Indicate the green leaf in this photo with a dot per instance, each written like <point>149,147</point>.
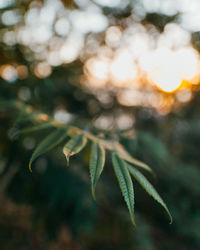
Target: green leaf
<point>96,164</point>
<point>8,104</point>
<point>125,183</point>
<point>123,154</point>
<point>74,146</point>
<point>40,126</point>
<point>148,188</point>
<point>20,117</point>
<point>51,141</point>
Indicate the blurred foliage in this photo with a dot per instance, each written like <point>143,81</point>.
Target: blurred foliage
<point>159,20</point>
<point>52,208</point>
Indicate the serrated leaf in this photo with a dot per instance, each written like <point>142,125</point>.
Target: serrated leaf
<point>125,183</point>
<point>96,164</point>
<point>147,186</point>
<point>74,146</point>
<point>51,141</point>
<point>122,153</point>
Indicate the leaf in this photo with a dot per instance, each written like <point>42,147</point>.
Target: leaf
<point>125,183</point>
<point>147,186</point>
<point>123,154</point>
<point>8,104</point>
<point>74,146</point>
<point>21,116</point>
<point>96,164</point>
<point>40,126</point>
<point>51,141</point>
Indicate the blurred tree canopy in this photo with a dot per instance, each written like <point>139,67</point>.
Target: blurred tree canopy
<point>52,60</point>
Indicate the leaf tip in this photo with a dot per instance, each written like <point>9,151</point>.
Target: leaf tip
<point>93,194</point>
<point>30,169</point>
<point>169,214</point>
<point>67,157</point>
<point>171,220</point>
<point>133,221</point>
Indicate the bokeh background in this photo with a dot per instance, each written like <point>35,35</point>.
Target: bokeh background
<point>131,70</point>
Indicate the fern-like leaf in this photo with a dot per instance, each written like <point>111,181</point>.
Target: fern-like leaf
<point>74,146</point>
<point>96,164</point>
<point>51,141</point>
<point>147,186</point>
<point>125,183</point>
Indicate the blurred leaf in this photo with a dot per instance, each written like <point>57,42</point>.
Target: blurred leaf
<point>22,115</point>
<point>37,127</point>
<point>51,141</point>
<point>97,161</point>
<point>159,20</point>
<point>125,183</point>
<point>153,147</point>
<point>148,187</point>
<point>74,146</point>
<point>127,157</point>
<point>7,104</point>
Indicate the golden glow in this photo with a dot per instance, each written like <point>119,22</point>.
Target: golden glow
<point>168,82</point>
<point>184,95</point>
<point>123,69</point>
<point>163,67</point>
<point>22,71</point>
<point>98,68</point>
<point>42,70</point>
<point>8,72</point>
<point>167,68</point>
